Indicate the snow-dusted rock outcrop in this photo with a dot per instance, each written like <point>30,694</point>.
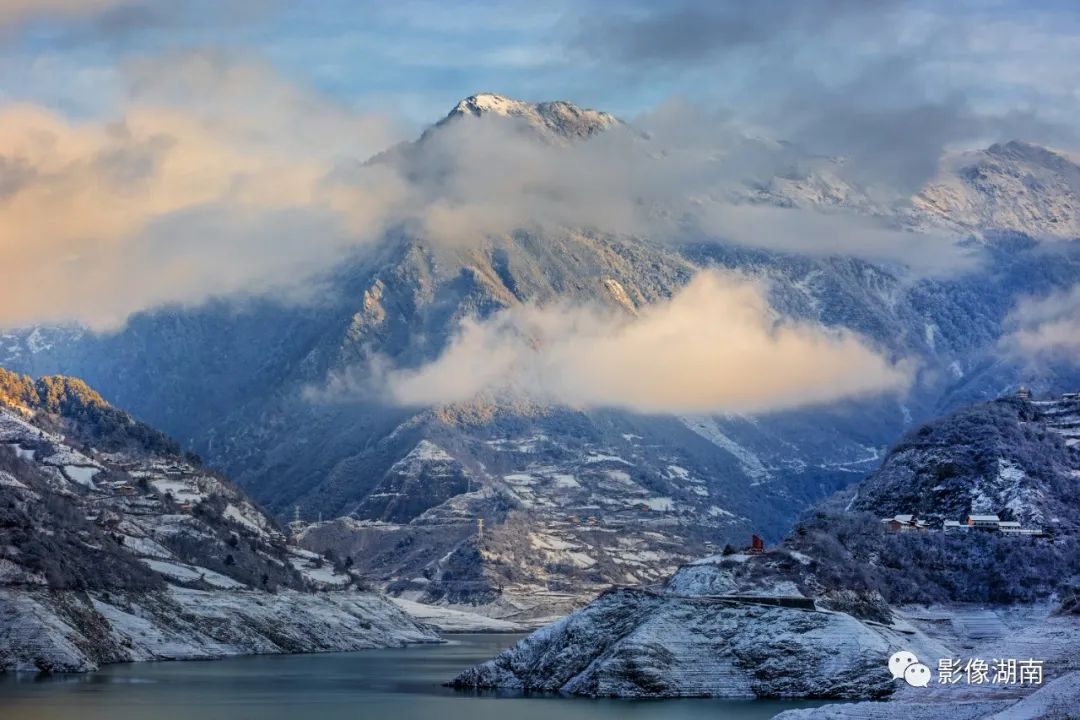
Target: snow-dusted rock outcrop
<point>633,643</point>
<point>65,631</point>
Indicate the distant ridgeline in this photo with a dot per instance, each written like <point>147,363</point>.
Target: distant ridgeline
<point>68,405</point>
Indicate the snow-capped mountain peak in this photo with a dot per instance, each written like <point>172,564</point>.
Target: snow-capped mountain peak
<point>1012,186</point>
<point>558,118</point>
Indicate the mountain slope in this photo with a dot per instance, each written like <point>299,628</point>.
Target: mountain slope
<point>115,547</point>
<point>1012,457</point>
<point>1013,186</point>
<point>820,614</point>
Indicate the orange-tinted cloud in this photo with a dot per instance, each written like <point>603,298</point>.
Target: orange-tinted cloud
<point>170,204</point>
<point>715,346</point>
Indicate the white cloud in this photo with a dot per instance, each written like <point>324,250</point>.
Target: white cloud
<point>1046,328</point>
<point>219,178</point>
<point>817,233</point>
<point>715,346</point>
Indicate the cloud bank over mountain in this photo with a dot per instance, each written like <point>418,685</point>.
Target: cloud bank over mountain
<point>183,156</point>
<point>1046,328</point>
<point>715,346</point>
<point>220,178</point>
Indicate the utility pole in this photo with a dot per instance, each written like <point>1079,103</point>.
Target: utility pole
<point>480,529</point>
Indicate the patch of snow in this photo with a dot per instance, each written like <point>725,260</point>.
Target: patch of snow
<point>324,576</point>
<point>451,621</point>
<point>707,428</point>
<point>580,559</point>
<point>661,504</point>
<point>234,513</point>
<point>595,457</point>
<point>81,474</point>
<point>9,480</point>
<point>192,573</point>
<point>563,480</point>
<point>520,479</point>
<point>428,451</point>
<point>679,472</point>
<point>146,547</point>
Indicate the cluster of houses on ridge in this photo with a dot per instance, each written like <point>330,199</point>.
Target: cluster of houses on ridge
<point>979,523</point>
<point>1024,393</point>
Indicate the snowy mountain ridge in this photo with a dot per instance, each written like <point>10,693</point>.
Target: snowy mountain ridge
<point>1008,187</point>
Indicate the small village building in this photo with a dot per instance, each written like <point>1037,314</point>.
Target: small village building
<point>757,545</point>
<point>1011,527</point>
<point>988,523</point>
<point>1023,393</point>
<point>904,523</point>
<point>954,526</point>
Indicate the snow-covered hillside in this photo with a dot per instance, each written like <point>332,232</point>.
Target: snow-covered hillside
<point>1013,186</point>
<point>1012,457</point>
<point>114,548</point>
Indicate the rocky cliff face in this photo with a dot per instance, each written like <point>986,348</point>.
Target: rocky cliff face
<point>114,547</point>
<point>69,631</point>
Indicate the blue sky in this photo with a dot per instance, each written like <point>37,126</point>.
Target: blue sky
<point>415,59</point>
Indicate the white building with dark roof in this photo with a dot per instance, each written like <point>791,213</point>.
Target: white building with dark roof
<point>984,522</point>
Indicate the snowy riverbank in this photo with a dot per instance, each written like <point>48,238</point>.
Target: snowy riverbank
<point>43,630</point>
